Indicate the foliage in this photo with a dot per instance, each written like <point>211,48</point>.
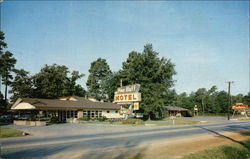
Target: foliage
<point>155,76</point>
<point>233,151</point>
<point>246,99</point>
<point>22,85</point>
<point>103,118</point>
<point>54,119</point>
<point>7,64</point>
<point>2,101</point>
<point>127,121</point>
<point>115,120</point>
<point>84,118</point>
<point>212,100</point>
<point>110,84</point>
<point>2,43</point>
<point>53,82</point>
<point>133,121</point>
<point>184,101</point>
<point>99,71</point>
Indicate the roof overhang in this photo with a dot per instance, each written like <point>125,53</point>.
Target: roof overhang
<point>23,106</point>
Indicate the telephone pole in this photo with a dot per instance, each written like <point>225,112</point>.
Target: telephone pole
<point>229,99</point>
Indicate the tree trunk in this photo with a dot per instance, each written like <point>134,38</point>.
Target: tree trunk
<point>5,95</point>
<point>0,83</point>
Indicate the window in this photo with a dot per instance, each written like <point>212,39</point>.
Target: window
<point>76,114</point>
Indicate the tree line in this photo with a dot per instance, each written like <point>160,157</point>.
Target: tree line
<point>210,101</point>
<point>51,82</point>
<point>154,74</point>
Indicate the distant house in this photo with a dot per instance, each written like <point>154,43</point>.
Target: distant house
<point>173,111</point>
<point>66,107</point>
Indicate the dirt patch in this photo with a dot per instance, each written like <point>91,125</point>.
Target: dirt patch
<point>179,148</point>
<point>172,149</point>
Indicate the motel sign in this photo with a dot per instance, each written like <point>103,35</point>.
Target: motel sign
<point>128,97</point>
<point>127,94</point>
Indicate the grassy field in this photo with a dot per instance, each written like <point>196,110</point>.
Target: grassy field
<point>7,132</point>
<point>168,122</point>
<point>239,150</point>
<point>162,122</point>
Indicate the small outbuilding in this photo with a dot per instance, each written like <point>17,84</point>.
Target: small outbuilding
<point>174,111</point>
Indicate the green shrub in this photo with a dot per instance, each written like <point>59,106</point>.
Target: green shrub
<point>133,121</point>
<point>84,118</point>
<point>42,119</point>
<point>103,118</point>
<point>54,119</point>
<point>127,121</point>
<point>115,120</point>
<point>139,122</point>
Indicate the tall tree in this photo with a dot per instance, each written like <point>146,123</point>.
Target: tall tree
<point>110,84</point>
<point>183,100</point>
<point>2,103</point>
<point>246,99</point>
<point>98,72</point>
<point>212,105</point>
<point>170,98</point>
<point>79,91</point>
<point>155,76</point>
<point>70,86</point>
<point>201,98</point>
<point>2,46</point>
<point>222,100</point>
<point>2,43</point>
<point>22,85</point>
<point>7,66</point>
<point>53,82</point>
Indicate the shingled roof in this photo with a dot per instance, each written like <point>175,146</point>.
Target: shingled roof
<point>81,103</point>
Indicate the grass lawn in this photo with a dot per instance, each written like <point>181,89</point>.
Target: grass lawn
<point>7,132</point>
<point>163,122</point>
<point>234,151</point>
<point>167,121</point>
<point>244,119</point>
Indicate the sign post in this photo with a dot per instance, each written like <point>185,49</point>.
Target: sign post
<point>128,95</point>
<point>173,118</point>
<point>195,110</point>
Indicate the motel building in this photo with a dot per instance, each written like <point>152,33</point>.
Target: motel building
<point>66,109</point>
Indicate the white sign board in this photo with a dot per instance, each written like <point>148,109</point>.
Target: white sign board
<point>127,97</point>
<point>129,88</point>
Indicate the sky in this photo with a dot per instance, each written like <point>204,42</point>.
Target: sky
<point>207,41</point>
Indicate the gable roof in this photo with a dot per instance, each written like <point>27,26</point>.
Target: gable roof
<point>81,103</point>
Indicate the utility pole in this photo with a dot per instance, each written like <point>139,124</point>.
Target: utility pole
<point>121,83</point>
<point>229,99</point>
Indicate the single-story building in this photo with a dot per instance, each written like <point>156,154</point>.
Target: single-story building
<point>173,111</point>
<point>66,108</point>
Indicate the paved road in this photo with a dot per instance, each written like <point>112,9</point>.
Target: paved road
<point>94,138</point>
